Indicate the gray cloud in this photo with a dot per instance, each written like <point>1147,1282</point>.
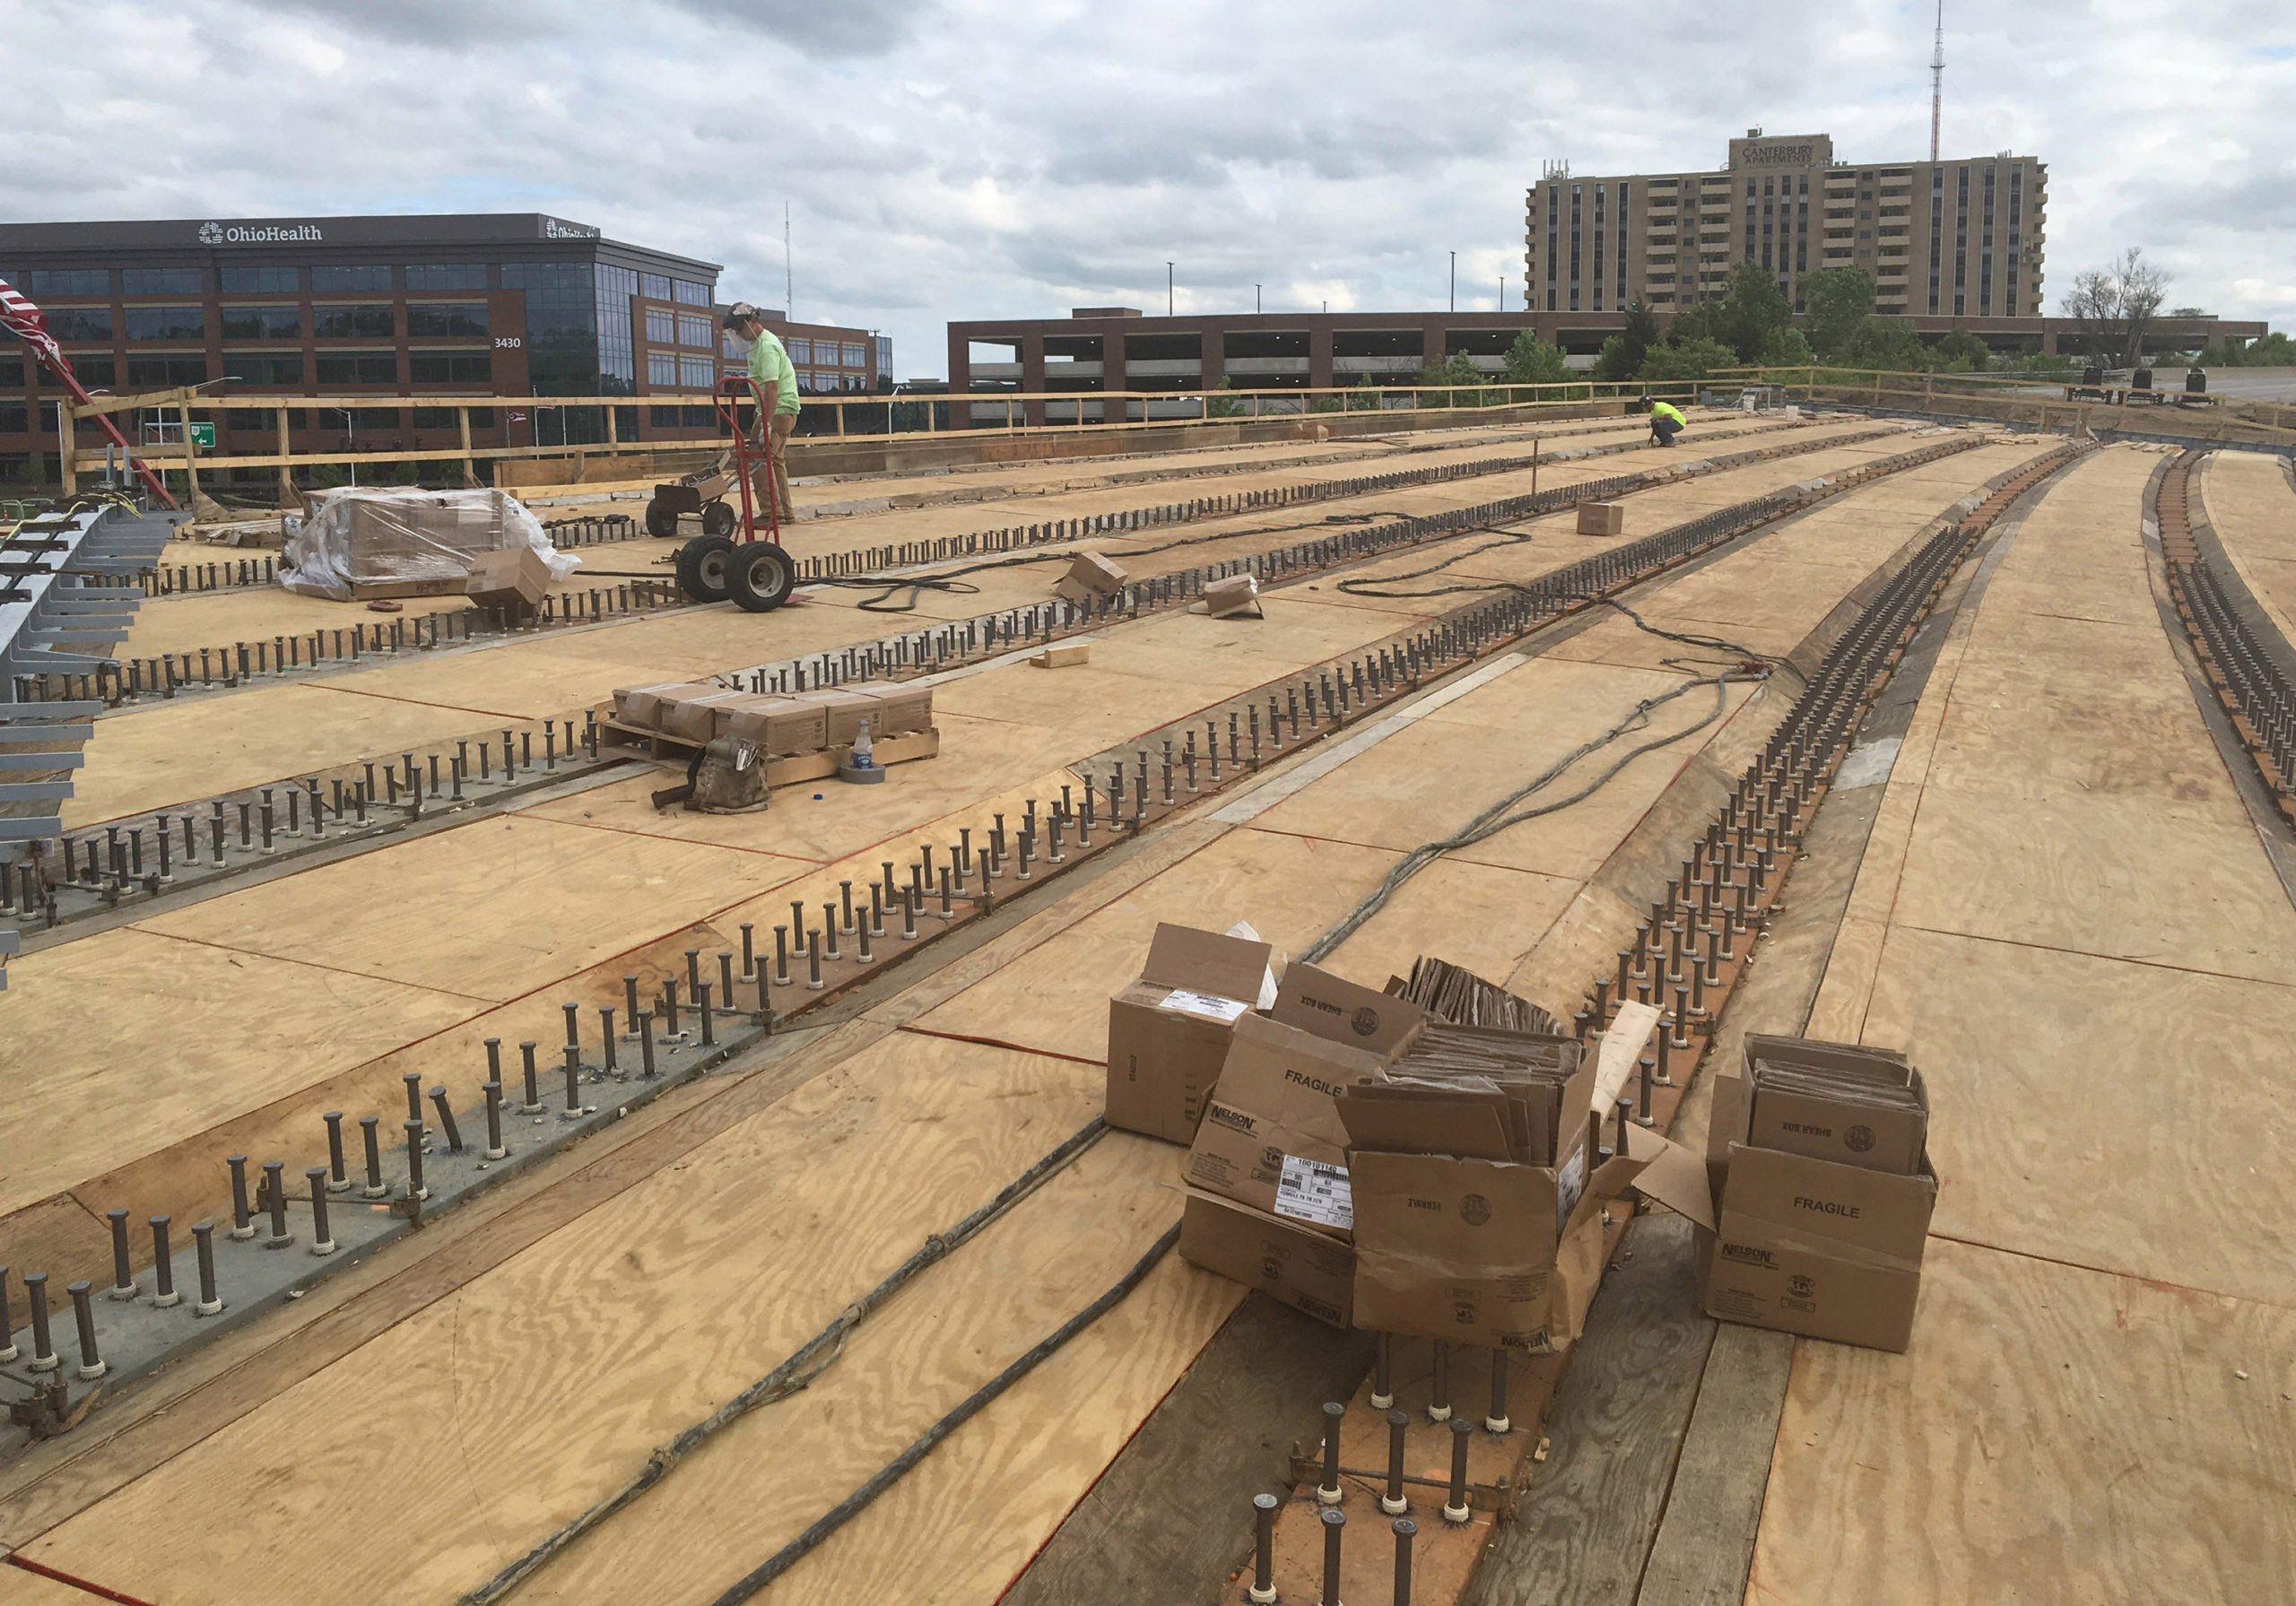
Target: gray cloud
<point>974,159</point>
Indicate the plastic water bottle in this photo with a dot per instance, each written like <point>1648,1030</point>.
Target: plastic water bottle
<point>862,751</point>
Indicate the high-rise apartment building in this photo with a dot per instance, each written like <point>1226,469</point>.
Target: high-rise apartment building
<point>1942,239</point>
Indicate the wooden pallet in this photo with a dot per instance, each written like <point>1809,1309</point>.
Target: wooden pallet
<point>785,771</point>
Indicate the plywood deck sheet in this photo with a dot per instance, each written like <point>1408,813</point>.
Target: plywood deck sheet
<point>2252,507</point>
<point>167,752</point>
<point>130,1039</point>
<point>959,1527</point>
<point>263,733</point>
<point>2054,1434</point>
<point>711,1279</point>
<point>460,911</point>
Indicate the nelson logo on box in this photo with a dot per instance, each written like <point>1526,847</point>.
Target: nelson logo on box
<point>1859,1139</point>
<point>1747,1254</point>
<point>1365,1021</point>
<point>1474,1210</point>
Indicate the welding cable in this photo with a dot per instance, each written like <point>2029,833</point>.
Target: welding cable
<point>1497,818</point>
<point>852,1505</point>
<point>807,1362</point>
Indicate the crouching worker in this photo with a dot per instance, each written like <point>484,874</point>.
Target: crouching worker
<point>1665,422</point>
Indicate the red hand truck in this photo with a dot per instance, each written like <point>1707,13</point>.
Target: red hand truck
<point>753,570</point>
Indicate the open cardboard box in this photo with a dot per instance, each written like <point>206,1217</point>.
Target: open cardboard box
<point>1271,1136</point>
<point>1801,1244</point>
<point>1169,1031</point>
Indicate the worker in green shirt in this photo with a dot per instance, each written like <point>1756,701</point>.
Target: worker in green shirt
<point>777,384</point>
<point>1666,421</point>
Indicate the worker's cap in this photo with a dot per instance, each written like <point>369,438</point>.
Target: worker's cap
<point>741,312</point>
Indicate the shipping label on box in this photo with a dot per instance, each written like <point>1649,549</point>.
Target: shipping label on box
<point>1306,1269</point>
<point>1169,1032</point>
<point>1271,1135</point>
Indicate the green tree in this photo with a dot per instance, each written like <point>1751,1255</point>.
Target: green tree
<point>1838,301</point>
<point>1220,406</point>
<point>1622,354</point>
<point>1889,344</point>
<point>1752,310</point>
<point>1530,360</point>
<point>1786,348</point>
<point>1962,350</point>
<point>1674,361</point>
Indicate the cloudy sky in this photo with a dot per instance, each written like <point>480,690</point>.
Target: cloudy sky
<point>955,159</point>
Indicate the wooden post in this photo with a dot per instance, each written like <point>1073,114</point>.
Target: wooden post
<point>462,419</point>
<point>190,466</point>
<point>64,457</point>
<point>613,427</point>
<point>287,497</point>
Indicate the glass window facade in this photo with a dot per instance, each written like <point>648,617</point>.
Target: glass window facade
<point>689,292</point>
<point>695,332</point>
<point>462,367</point>
<point>661,326</point>
<point>167,323</point>
<point>661,368</point>
<point>263,323</point>
<point>433,319</point>
<point>357,367</point>
<point>160,281</point>
<point>654,287</point>
<point>324,279</point>
<point>800,350</point>
<point>259,281</point>
<point>70,281</point>
<point>162,373</point>
<point>265,368</point>
<point>447,418</point>
<point>617,349</point>
<point>562,324</point>
<point>357,320</point>
<point>699,373</point>
<point>80,323</point>
<point>857,356</point>
<point>447,275</point>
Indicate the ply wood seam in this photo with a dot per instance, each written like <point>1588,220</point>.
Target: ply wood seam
<point>309,964</point>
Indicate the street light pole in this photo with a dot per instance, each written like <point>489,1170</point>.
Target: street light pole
<point>1455,282</point>
<point>1169,304</point>
<point>1255,299</point>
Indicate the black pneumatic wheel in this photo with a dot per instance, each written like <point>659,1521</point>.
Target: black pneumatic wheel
<point>761,576</point>
<point>660,521</point>
<point>718,519</point>
<point>702,568</point>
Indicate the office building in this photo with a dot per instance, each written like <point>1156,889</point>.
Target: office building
<point>506,305</point>
<point>1957,240</point>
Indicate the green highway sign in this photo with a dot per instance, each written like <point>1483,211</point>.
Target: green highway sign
<point>202,435</point>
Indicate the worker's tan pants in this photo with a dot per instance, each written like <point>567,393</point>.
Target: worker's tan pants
<point>776,481</point>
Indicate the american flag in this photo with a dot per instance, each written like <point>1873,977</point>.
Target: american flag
<point>29,323</point>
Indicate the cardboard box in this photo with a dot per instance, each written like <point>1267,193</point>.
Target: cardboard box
<point>1812,1247</point>
<point>1305,1268</point>
<point>1169,1031</point>
<point>777,726</point>
<point>694,718</point>
<point>1088,576</point>
<point>903,710</point>
<point>1271,1136</point>
<point>641,705</point>
<point>1335,1008</point>
<point>1828,1119</point>
<point>1602,518</point>
<point>513,578</point>
<point>1235,596</point>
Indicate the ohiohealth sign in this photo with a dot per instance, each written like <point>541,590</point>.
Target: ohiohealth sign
<point>257,234</point>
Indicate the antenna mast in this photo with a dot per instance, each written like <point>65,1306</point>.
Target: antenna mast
<point>1936,80</point>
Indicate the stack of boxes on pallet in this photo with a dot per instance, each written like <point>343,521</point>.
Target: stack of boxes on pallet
<point>810,732</point>
<point>1425,1161</point>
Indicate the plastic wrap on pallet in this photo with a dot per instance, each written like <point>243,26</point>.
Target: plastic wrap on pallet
<point>365,543</point>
